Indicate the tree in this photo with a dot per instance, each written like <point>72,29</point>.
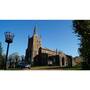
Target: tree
<point>0,48</point>
<point>14,59</point>
<point>82,29</point>
<point>22,58</point>
<point>1,57</point>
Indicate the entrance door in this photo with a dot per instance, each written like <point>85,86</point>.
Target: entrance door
<point>63,62</point>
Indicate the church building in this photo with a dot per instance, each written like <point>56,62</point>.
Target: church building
<point>36,55</point>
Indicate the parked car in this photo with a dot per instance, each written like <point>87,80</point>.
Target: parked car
<point>28,66</point>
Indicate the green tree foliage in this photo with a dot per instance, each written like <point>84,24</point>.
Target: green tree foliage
<point>82,29</point>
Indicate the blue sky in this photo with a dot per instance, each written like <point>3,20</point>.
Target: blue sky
<point>56,34</point>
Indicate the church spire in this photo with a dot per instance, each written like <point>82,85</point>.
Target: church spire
<point>34,32</point>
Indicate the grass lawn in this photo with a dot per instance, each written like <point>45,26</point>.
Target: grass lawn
<point>55,68</point>
<point>49,68</point>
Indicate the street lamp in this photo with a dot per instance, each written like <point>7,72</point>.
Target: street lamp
<point>8,39</point>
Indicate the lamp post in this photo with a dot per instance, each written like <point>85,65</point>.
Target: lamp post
<point>8,39</point>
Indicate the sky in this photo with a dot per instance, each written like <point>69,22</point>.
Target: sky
<point>56,34</point>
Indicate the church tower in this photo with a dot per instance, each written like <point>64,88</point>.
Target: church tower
<point>34,43</point>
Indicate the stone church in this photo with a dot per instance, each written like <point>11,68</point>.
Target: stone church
<point>36,55</point>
